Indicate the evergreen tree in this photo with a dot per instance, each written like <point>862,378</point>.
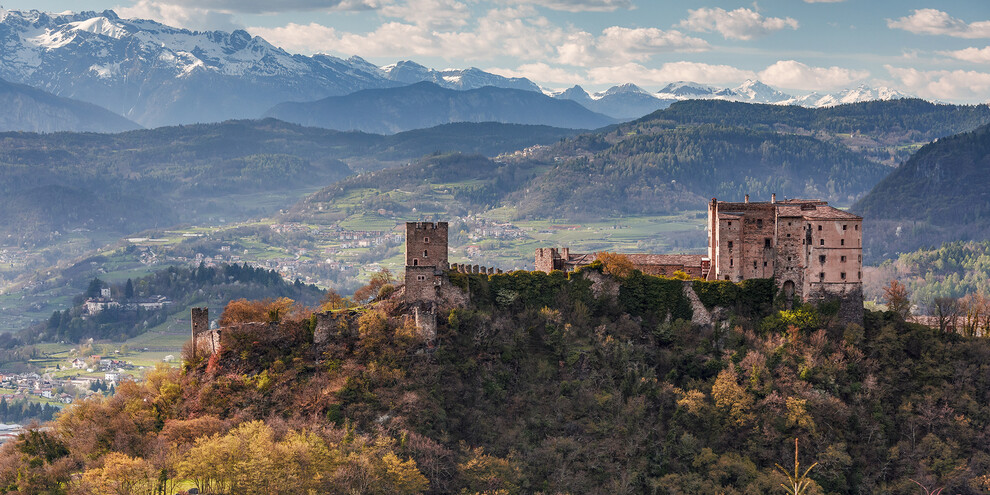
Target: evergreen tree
<point>129,289</point>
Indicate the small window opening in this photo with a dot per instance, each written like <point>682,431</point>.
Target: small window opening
<point>821,242</point>
<point>730,261</point>
<point>821,259</point>
<point>842,259</point>
<point>842,275</point>
<point>730,245</point>
<point>844,227</point>
<point>764,264</point>
<point>415,262</point>
<point>421,277</point>
<point>856,227</point>
<point>821,276</point>
<point>426,240</point>
<point>754,264</point>
<point>426,254</point>
<point>759,223</point>
<point>842,242</point>
<point>730,224</point>
<point>766,242</point>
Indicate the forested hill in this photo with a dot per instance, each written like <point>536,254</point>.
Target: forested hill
<point>883,131</point>
<point>588,383</point>
<point>937,196</point>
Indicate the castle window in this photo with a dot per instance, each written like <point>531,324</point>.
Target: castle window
<point>856,227</point>
<point>788,235</point>
<point>415,262</point>
<point>821,259</point>
<point>788,258</point>
<point>421,277</point>
<point>859,275</point>
<point>727,277</point>
<point>842,242</point>
<point>861,258</point>
<point>426,240</point>
<point>821,242</point>
<point>842,275</point>
<point>843,227</point>
<point>730,245</point>
<point>819,227</point>
<point>754,264</point>
<point>821,276</point>
<point>766,242</point>
<point>842,259</point>
<point>730,224</point>
<point>788,224</point>
<point>425,254</point>
<point>759,223</point>
<point>730,261</point>
<point>764,264</point>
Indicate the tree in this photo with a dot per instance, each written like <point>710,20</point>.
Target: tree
<point>374,288</point>
<point>946,311</point>
<point>129,289</point>
<point>95,286</point>
<point>614,263</point>
<point>896,295</point>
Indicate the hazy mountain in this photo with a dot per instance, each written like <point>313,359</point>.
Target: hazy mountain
<point>408,72</point>
<point>938,195</point>
<point>624,102</point>
<point>29,109</point>
<point>426,104</point>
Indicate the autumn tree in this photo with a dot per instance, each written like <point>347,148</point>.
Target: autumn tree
<point>614,263</point>
<point>374,289</point>
<point>896,295</point>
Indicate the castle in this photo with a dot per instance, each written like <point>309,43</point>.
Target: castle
<point>813,251</point>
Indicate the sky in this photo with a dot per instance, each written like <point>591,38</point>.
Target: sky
<point>933,49</point>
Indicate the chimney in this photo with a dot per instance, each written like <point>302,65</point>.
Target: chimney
<point>747,198</point>
<point>773,198</point>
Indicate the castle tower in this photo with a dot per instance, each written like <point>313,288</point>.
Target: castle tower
<point>426,259</point>
<point>200,324</point>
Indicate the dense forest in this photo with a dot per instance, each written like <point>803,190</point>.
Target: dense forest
<point>183,286</point>
<point>593,382</point>
<point>932,198</point>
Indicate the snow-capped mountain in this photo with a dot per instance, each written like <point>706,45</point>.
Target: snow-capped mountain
<point>623,102</point>
<point>409,72</point>
<point>753,91</point>
<point>157,75</point>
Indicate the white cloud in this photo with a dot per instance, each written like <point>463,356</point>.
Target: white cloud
<point>796,75</point>
<point>932,21</point>
<point>669,72</point>
<point>439,14</point>
<point>541,72</point>
<point>194,18</point>
<point>741,24</point>
<point>580,5</point>
<point>511,32</point>
<point>971,54</point>
<point>944,84</point>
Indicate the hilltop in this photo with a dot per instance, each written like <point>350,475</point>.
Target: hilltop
<point>585,383</point>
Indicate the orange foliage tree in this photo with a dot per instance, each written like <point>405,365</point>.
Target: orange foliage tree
<point>265,310</point>
<point>614,263</point>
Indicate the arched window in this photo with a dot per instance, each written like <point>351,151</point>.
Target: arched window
<point>425,254</point>
<point>415,262</point>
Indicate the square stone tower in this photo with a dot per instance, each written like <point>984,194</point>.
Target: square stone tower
<point>426,259</point>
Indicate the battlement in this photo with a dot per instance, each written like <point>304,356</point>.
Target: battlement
<point>463,268</point>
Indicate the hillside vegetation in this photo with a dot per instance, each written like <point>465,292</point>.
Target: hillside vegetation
<point>546,384</point>
<point>933,198</point>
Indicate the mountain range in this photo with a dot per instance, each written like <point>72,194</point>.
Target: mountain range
<point>425,104</point>
<point>158,75</point>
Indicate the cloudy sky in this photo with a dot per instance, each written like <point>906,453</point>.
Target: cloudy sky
<point>938,50</point>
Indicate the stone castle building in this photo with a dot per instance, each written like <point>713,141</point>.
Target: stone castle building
<point>813,250</point>
<point>426,259</point>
